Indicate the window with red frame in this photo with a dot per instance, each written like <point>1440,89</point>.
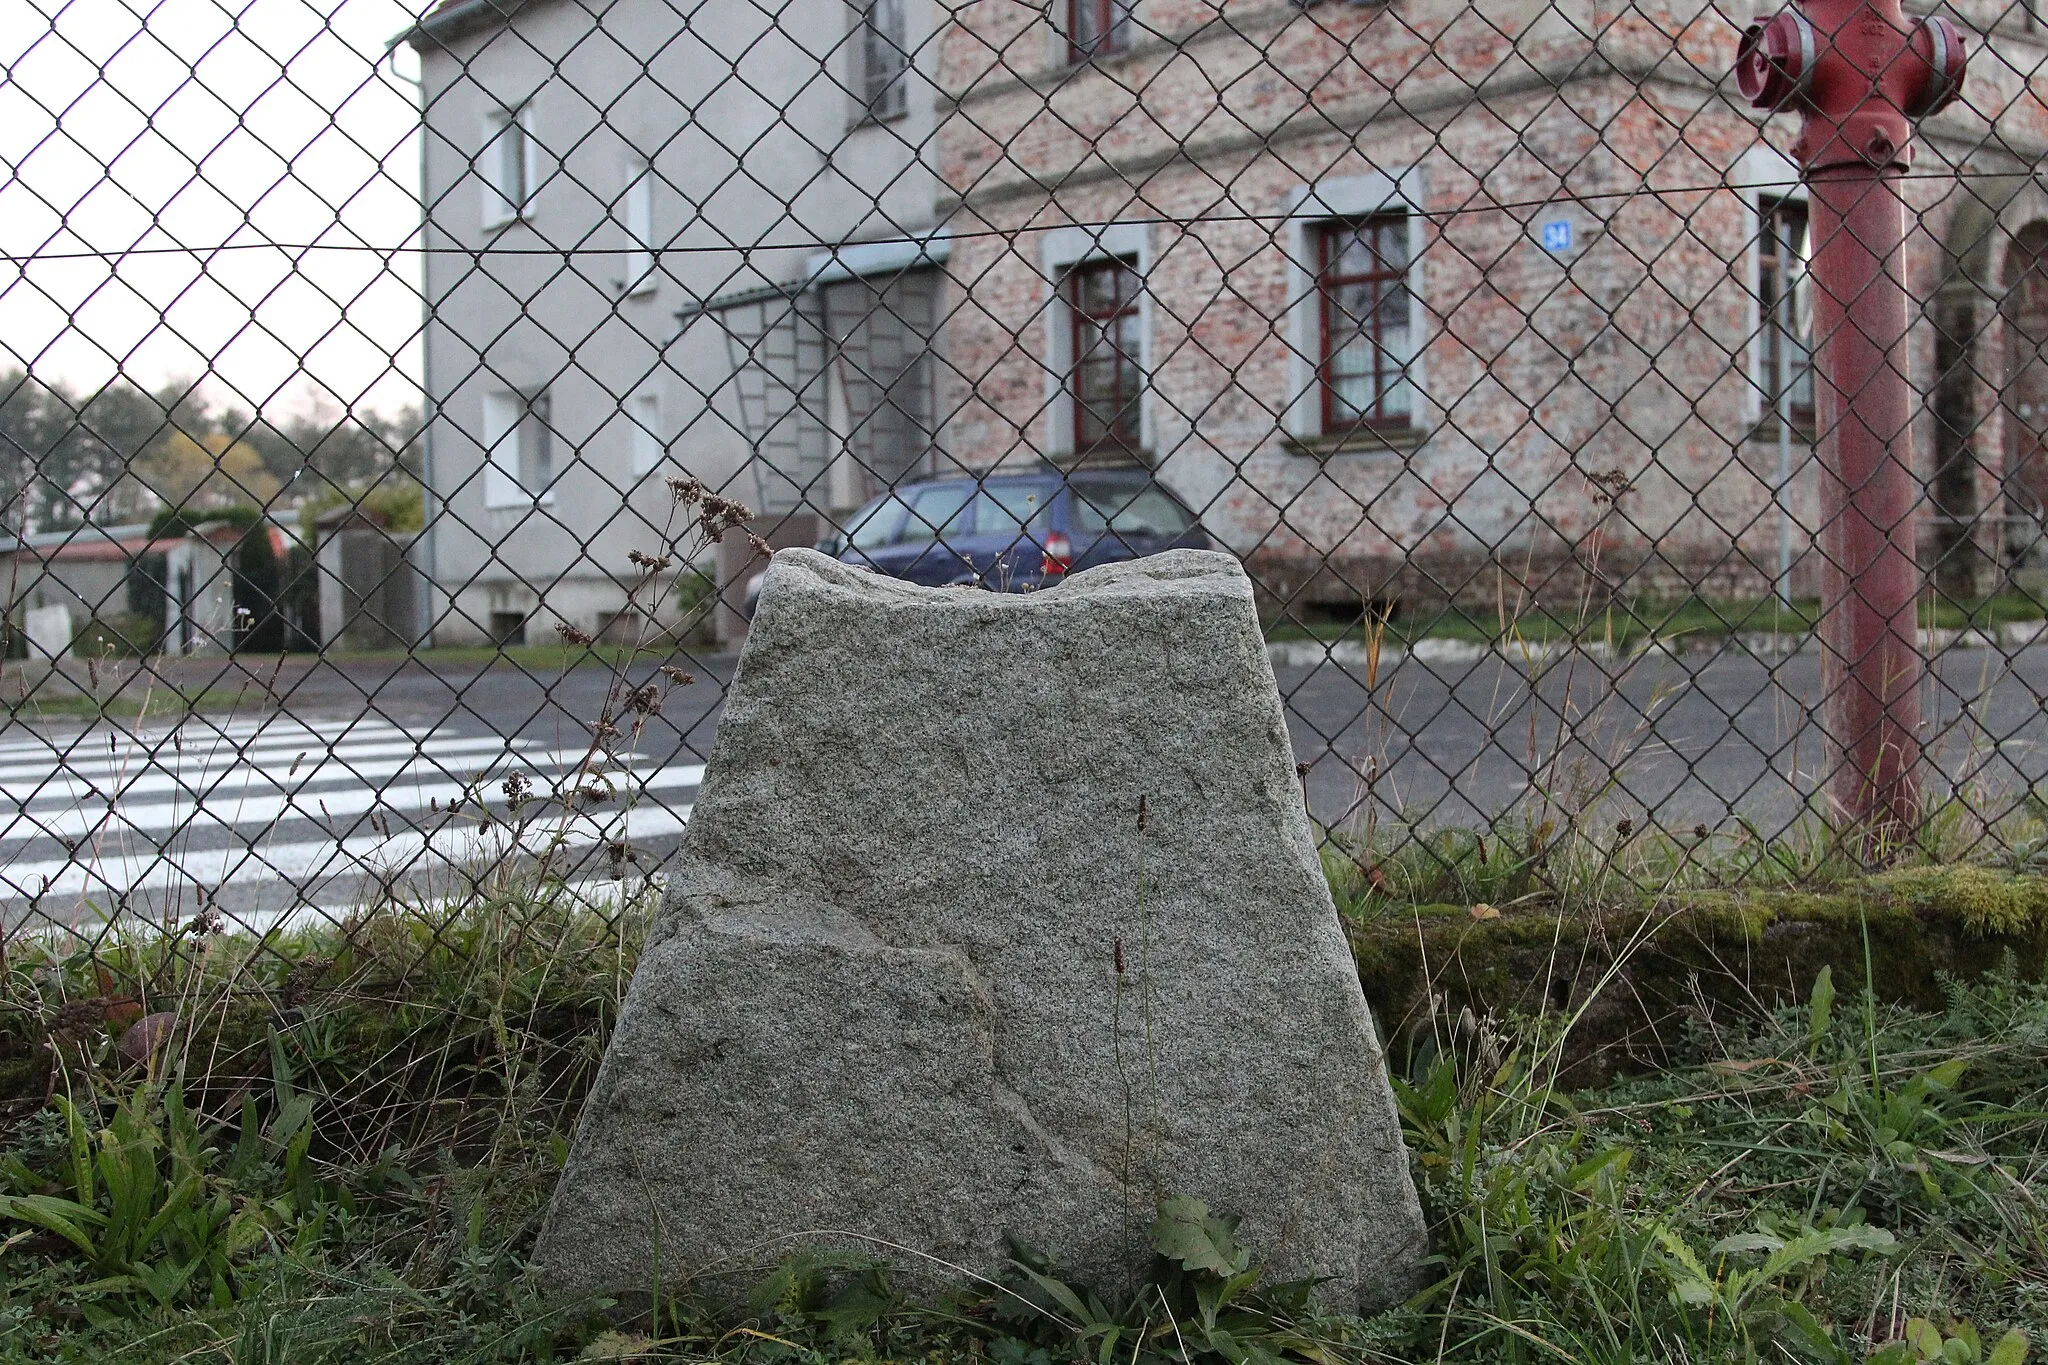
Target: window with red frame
<point>1367,340</point>
<point>1097,27</point>
<point>1107,380</point>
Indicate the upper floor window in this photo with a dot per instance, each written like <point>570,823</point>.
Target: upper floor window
<point>519,461</point>
<point>884,59</point>
<point>509,165</point>
<point>1785,371</point>
<point>1107,379</point>
<point>1096,28</point>
<point>1367,330</point>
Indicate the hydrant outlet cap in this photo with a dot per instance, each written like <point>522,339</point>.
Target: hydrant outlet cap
<point>1775,62</point>
<point>1941,43</point>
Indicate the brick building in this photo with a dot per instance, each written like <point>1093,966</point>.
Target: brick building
<point>1413,301</point>
<point>1425,300</point>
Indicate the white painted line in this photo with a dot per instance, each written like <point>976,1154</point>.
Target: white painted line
<point>200,765</point>
<point>304,864</point>
<point>225,811</point>
<point>196,730</point>
<point>97,747</point>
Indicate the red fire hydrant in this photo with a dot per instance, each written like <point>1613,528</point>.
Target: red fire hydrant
<point>1858,73</point>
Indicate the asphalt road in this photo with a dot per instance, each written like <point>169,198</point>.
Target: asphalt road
<point>344,791</point>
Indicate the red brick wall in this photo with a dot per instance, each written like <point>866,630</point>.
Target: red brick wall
<point>1624,359</point>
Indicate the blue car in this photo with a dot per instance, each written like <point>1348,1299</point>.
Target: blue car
<point>1011,532</point>
<point>1015,532</point>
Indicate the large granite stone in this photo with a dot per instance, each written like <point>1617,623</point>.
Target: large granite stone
<point>922,978</point>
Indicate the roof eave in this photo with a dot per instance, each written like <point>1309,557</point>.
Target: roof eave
<point>447,22</point>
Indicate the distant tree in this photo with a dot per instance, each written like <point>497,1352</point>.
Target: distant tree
<point>337,448</point>
<point>203,472</point>
<point>62,455</point>
<point>121,453</point>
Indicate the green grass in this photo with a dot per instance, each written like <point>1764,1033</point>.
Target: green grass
<point>158,702</point>
<point>1631,625</point>
<point>1990,612</point>
<point>344,1151</point>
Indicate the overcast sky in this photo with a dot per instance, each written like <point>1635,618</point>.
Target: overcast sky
<point>194,125</point>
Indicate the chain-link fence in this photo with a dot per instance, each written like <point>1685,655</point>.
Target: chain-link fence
<point>400,406</point>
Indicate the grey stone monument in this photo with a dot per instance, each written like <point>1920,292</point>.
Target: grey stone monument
<point>997,915</point>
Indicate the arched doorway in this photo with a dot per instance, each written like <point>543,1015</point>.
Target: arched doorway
<point>2023,394</point>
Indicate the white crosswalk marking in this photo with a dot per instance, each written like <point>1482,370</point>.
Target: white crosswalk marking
<point>110,814</point>
<point>305,864</point>
<point>197,774</point>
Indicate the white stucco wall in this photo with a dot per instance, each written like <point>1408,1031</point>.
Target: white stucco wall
<point>736,110</point>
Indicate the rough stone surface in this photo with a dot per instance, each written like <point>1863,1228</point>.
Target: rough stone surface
<point>883,997</point>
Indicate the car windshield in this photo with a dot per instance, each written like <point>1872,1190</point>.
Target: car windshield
<point>935,512</point>
<point>875,525</point>
<point>1125,509</point>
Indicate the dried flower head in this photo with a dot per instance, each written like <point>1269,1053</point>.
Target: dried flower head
<point>686,491</point>
<point>676,676</point>
<point>516,788</point>
<point>645,700</point>
<point>721,514</point>
<point>571,635</point>
<point>651,563</point>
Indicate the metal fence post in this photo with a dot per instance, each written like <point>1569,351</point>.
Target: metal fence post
<point>1857,72</point>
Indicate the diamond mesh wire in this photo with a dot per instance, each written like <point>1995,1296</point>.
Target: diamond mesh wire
<point>397,408</point>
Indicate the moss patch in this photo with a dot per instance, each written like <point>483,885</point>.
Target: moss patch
<point>1986,902</point>
<point>1637,979</point>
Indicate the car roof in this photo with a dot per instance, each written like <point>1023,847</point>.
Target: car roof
<point>1047,476</point>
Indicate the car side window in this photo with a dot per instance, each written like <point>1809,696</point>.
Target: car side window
<point>935,513</point>
<point>1127,511</point>
<point>876,525</point>
<point>1007,509</point>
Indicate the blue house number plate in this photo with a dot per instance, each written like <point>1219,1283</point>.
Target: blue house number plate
<point>1557,236</point>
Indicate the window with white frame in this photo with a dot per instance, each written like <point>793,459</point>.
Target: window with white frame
<point>1356,322</point>
<point>644,411</point>
<point>518,449</point>
<point>639,212</point>
<point>884,59</point>
<point>1784,349</point>
<point>509,165</point>
<point>1773,261</point>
